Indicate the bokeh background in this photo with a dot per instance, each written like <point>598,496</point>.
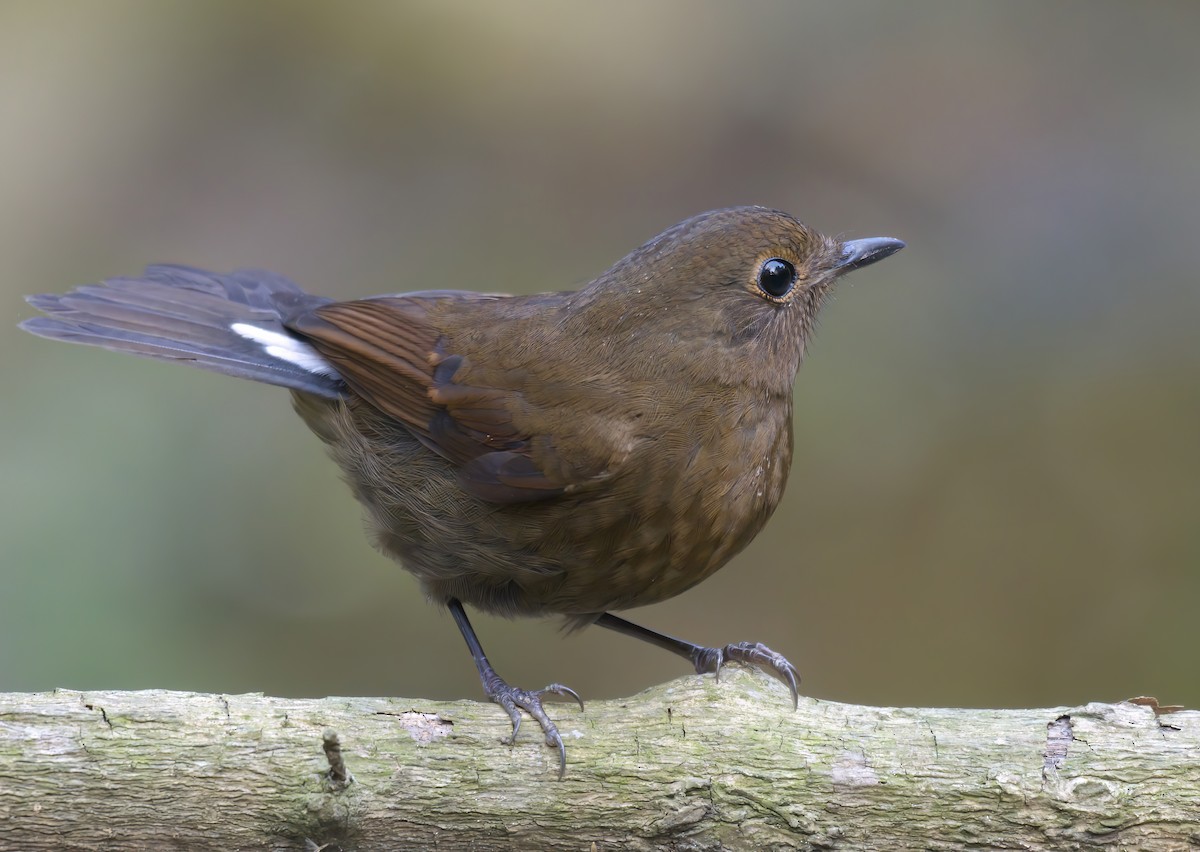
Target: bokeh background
<point>996,494</point>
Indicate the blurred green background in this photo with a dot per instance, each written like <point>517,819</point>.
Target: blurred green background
<point>996,490</point>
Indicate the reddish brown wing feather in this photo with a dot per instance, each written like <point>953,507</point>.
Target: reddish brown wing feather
<point>380,351</point>
<point>388,352</point>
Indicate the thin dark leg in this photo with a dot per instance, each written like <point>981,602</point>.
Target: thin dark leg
<point>513,700</point>
<point>711,659</point>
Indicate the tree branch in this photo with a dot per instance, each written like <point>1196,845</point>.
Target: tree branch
<point>692,764</point>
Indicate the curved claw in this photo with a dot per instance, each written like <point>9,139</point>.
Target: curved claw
<point>750,654</point>
<point>564,691</point>
<point>511,698</point>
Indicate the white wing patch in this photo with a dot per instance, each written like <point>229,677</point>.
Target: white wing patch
<point>286,348</point>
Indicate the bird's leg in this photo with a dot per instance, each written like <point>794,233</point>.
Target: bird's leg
<point>512,699</point>
<point>712,659</point>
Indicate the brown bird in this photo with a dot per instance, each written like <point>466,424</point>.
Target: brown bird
<point>567,453</point>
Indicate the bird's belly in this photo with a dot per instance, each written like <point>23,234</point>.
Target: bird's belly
<point>643,537</point>
<point>649,540</point>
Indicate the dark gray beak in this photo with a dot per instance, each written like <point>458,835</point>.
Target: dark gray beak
<point>859,253</point>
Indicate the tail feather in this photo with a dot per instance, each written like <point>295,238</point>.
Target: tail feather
<point>177,313</point>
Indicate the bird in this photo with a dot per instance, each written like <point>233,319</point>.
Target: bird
<point>572,453</point>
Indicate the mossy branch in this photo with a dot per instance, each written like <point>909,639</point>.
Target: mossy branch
<point>692,764</point>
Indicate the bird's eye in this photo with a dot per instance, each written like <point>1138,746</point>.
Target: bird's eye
<point>776,278</point>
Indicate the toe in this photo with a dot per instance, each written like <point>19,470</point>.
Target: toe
<point>760,656</point>
<point>564,691</point>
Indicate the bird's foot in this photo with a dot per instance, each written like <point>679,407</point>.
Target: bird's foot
<point>753,654</point>
<point>514,700</point>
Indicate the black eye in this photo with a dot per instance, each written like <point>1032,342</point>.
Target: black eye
<point>776,278</point>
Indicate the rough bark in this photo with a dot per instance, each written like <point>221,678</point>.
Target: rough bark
<point>692,764</point>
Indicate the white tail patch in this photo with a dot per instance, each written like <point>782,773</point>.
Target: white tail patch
<point>286,348</point>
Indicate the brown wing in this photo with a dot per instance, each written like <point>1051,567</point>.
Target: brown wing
<point>389,353</point>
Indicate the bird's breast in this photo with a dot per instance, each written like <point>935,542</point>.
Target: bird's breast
<point>690,498</point>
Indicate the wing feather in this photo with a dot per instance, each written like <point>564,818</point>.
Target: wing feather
<point>390,353</point>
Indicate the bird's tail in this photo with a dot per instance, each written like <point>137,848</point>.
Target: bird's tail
<point>232,324</point>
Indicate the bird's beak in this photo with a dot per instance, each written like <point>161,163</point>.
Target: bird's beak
<point>859,253</point>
